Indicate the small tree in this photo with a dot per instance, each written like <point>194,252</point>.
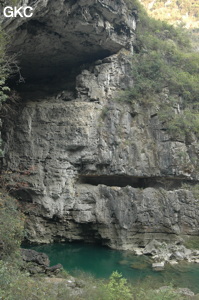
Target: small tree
<point>117,288</point>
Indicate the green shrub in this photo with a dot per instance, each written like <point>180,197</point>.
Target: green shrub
<point>8,64</point>
<point>192,242</point>
<point>168,293</point>
<point>15,285</point>
<point>180,125</point>
<point>11,227</point>
<point>117,288</point>
<point>164,59</point>
<point>193,188</point>
<point>4,68</point>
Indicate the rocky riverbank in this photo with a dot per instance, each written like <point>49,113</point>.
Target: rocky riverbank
<point>37,264</point>
<point>171,253</point>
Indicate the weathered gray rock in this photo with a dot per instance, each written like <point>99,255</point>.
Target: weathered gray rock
<point>153,247</point>
<point>185,292</point>
<point>34,262</point>
<point>29,255</point>
<point>84,164</point>
<point>37,262</point>
<point>181,291</point>
<point>66,143</point>
<point>87,170</point>
<point>101,82</point>
<point>158,266</point>
<point>170,252</point>
<point>54,270</point>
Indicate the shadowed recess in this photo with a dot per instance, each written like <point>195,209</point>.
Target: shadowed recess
<point>136,182</point>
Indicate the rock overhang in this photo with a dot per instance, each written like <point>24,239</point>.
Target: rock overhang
<point>62,35</point>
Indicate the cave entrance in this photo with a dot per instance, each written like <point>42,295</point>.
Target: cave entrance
<point>114,180</point>
<point>61,77</point>
<point>168,183</point>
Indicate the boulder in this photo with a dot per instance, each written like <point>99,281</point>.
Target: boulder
<point>33,256</point>
<point>185,292</point>
<point>159,266</point>
<point>54,270</point>
<point>37,262</point>
<point>153,247</point>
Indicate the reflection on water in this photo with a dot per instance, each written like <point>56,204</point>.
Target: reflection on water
<point>101,262</point>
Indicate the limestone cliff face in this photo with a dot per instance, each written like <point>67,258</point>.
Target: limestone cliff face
<point>85,165</point>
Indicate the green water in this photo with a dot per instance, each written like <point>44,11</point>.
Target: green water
<point>101,262</point>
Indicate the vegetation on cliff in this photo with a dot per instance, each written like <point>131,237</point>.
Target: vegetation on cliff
<point>4,73</point>
<point>11,227</point>
<point>4,69</point>
<point>167,75</point>
<point>7,64</point>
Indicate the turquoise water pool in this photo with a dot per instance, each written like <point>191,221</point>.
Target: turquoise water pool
<point>102,261</point>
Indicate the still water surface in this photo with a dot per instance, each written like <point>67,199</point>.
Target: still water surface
<point>101,262</point>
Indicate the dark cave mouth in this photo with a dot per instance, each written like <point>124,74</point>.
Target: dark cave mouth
<point>112,180</point>
<point>54,68</point>
<point>32,83</point>
<point>50,67</point>
<point>133,181</point>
